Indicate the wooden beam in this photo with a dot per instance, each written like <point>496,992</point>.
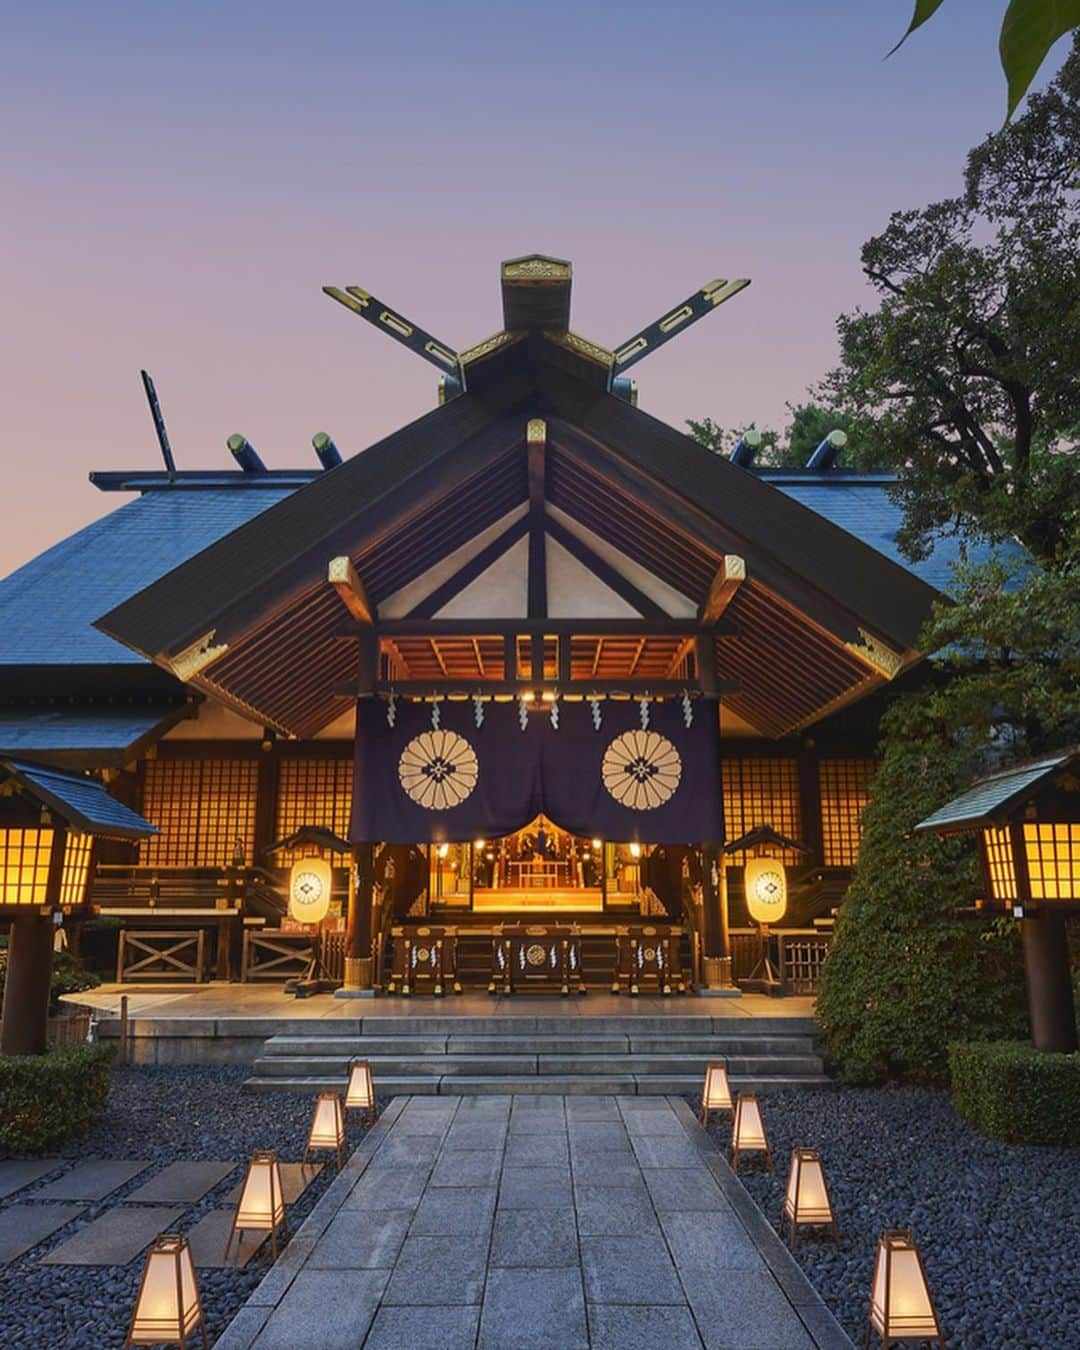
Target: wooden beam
<point>614,580</point>
<point>342,575</point>
<point>395,628</point>
<point>636,687</point>
<point>728,578</point>
<point>536,448</point>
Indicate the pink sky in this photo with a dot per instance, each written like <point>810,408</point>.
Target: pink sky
<point>183,179</point>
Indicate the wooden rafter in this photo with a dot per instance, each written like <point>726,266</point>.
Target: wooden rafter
<point>729,577</point>
<point>536,447</point>
<point>342,575</point>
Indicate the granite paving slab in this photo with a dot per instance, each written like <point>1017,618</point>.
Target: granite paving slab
<point>24,1226</point>
<point>91,1180</point>
<point>525,1226</point>
<point>115,1238</point>
<point>16,1173</point>
<point>183,1181</point>
<point>209,1236</point>
<point>321,1311</point>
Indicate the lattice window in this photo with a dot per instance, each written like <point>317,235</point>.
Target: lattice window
<point>313,792</point>
<point>762,792</point>
<point>24,865</point>
<point>203,808</point>
<point>845,790</point>
<point>1053,859</point>
<point>77,850</point>
<point>999,863</point>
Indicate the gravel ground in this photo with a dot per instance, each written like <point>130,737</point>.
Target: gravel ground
<point>157,1115</point>
<point>998,1226</point>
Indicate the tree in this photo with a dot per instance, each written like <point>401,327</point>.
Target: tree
<point>966,379</point>
<point>1028,31</point>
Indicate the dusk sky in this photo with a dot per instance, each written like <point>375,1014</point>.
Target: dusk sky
<point>180,180</point>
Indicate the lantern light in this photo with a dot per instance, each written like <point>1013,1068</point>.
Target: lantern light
<point>310,881</point>
<point>766,889</point>
<point>327,1126</point>
<point>443,850</point>
<point>716,1094</point>
<point>807,1198</point>
<point>360,1094</point>
<point>635,850</point>
<point>901,1308</point>
<point>167,1306</point>
<point>261,1207</point>
<point>597,843</point>
<point>748,1130</point>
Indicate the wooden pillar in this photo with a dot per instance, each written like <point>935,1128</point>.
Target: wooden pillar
<point>716,940</point>
<point>358,931</point>
<point>1049,985</point>
<point>24,1027</point>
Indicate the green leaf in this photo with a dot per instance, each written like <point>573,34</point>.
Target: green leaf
<point>1029,30</point>
<point>924,9</point>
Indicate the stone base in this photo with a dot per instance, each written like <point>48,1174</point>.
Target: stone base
<point>357,978</point>
<point>725,992</point>
<point>354,993</point>
<point>716,973</point>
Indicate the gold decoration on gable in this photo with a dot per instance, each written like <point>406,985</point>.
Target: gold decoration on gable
<point>574,342</point>
<point>489,345</point>
<point>188,663</point>
<point>876,654</point>
<point>535,269</point>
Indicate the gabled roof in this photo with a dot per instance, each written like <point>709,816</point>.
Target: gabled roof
<point>993,799</point>
<point>47,607</point>
<point>82,802</point>
<point>90,733</point>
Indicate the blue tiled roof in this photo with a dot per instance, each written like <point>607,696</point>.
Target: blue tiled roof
<point>30,730</point>
<point>989,799</point>
<point>83,802</point>
<point>866,510</point>
<point>48,606</point>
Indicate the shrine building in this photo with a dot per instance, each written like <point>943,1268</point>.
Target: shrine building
<point>511,698</point>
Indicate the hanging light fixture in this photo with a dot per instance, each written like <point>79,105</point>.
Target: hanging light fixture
<point>327,1126</point>
<point>360,1094</point>
<point>716,1094</point>
<point>901,1308</point>
<point>167,1306</point>
<point>261,1207</point>
<point>310,881</point>
<point>748,1130</point>
<point>807,1199</point>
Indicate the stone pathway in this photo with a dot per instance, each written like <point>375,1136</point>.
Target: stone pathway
<point>521,1223</point>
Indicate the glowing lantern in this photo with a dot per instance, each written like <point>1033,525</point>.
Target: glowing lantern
<point>261,1207</point>
<point>360,1094</point>
<point>167,1307</point>
<point>596,843</point>
<point>309,889</point>
<point>635,850</point>
<point>748,1131</point>
<point>901,1308</point>
<point>807,1198</point>
<point>766,889</point>
<point>327,1126</point>
<point>716,1095</point>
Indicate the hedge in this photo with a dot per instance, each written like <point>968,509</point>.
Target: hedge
<point>1011,1091</point>
<point>45,1099</point>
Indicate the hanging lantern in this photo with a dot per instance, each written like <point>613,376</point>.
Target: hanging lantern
<point>327,1126</point>
<point>167,1307</point>
<point>748,1130</point>
<point>261,1207</point>
<point>360,1094</point>
<point>766,889</point>
<point>716,1095</point>
<point>807,1198</point>
<point>901,1308</point>
<point>309,889</point>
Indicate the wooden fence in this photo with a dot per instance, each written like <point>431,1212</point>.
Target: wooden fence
<point>800,955</point>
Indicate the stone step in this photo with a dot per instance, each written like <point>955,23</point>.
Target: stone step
<point>640,1085</point>
<point>284,1066</point>
<point>372,1046</point>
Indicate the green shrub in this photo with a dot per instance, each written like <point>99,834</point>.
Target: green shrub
<point>45,1099</point>
<point>907,972</point>
<point>1009,1090</point>
<point>68,976</point>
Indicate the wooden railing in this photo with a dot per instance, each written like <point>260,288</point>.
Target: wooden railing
<point>801,955</point>
<point>158,955</point>
<point>274,955</point>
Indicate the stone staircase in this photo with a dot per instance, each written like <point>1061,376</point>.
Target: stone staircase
<point>521,1054</point>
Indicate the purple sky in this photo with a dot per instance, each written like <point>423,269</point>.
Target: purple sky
<point>179,180</point>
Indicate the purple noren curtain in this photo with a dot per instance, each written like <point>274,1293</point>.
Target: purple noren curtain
<point>414,783</point>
